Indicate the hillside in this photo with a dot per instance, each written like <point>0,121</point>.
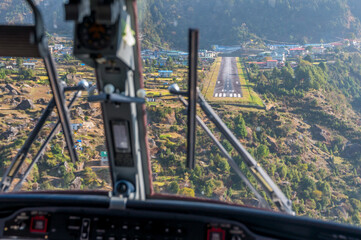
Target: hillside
<point>307,140</point>
<point>307,136</point>
<point>229,22</point>
<point>18,12</point>
<point>232,22</point>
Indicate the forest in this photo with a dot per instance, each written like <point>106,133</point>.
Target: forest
<point>233,22</point>
<point>308,140</point>
<point>165,23</point>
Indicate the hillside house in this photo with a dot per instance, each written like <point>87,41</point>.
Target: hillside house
<point>104,158</point>
<point>88,125</point>
<point>76,126</point>
<point>259,64</point>
<point>165,73</point>
<point>29,65</point>
<point>271,63</point>
<point>206,54</point>
<point>162,62</point>
<point>280,54</point>
<point>67,50</point>
<point>318,50</point>
<point>58,47</point>
<point>296,52</point>
<point>336,44</point>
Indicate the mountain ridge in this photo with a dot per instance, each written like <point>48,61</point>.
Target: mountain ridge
<point>231,22</point>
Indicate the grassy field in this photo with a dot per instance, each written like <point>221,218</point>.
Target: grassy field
<point>249,99</point>
<point>210,80</point>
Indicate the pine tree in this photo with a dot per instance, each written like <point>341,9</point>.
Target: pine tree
<point>241,127</point>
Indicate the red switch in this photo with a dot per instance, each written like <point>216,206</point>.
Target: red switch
<point>38,224</point>
<point>216,234</point>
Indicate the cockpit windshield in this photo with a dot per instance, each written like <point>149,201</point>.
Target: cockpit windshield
<point>25,94</point>
<point>283,75</point>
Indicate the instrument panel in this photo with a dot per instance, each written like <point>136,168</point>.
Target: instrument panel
<point>112,224</point>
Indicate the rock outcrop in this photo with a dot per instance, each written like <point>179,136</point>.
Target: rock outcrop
<point>25,104</point>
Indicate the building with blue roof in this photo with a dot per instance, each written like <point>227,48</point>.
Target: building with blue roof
<point>165,73</point>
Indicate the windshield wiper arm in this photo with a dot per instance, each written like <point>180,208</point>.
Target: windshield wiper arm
<point>262,202</point>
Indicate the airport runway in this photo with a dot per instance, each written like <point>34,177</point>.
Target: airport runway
<point>228,84</point>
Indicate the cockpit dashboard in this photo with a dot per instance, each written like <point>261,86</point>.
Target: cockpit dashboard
<point>63,216</point>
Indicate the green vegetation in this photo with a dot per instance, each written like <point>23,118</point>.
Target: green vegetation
<point>233,22</point>
<point>308,139</point>
<point>249,97</point>
<point>54,170</point>
<point>303,140</point>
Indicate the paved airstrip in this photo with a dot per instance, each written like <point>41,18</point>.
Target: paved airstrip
<point>228,82</point>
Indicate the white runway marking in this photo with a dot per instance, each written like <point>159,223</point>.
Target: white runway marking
<point>228,82</point>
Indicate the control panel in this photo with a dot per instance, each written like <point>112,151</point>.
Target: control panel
<point>222,231</point>
<point>28,224</point>
<point>106,224</point>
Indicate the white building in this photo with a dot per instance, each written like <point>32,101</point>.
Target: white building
<point>318,50</point>
<point>104,158</point>
<point>76,126</point>
<point>29,65</point>
<point>58,46</point>
<point>271,63</point>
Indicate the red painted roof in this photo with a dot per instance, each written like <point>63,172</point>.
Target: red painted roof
<point>297,49</point>
<point>256,63</point>
<point>336,44</point>
<point>272,61</point>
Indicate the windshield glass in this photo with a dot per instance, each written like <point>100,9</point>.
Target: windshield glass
<point>285,78</point>
<point>25,93</point>
<point>283,75</point>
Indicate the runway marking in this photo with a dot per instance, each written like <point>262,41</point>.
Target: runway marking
<point>228,83</point>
